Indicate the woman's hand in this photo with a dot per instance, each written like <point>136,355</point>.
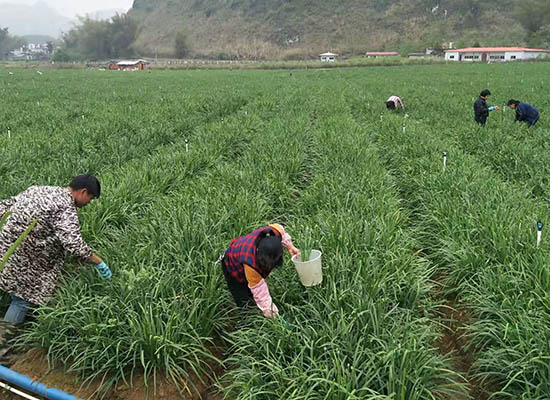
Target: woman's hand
<point>293,251</point>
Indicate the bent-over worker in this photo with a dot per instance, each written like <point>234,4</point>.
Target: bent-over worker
<point>524,112</point>
<point>31,273</point>
<point>250,259</point>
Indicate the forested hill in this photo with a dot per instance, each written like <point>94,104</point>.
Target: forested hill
<point>297,28</point>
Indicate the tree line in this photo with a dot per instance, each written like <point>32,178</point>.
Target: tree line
<point>8,43</point>
<point>534,16</point>
<point>99,39</point>
<point>115,37</point>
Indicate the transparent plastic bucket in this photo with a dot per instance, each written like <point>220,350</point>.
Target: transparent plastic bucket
<point>310,272</point>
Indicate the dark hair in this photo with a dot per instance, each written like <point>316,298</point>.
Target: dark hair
<point>269,252</point>
<point>485,92</point>
<point>88,182</point>
<point>390,105</point>
<point>512,101</point>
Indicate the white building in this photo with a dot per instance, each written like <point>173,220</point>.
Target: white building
<point>493,54</point>
<point>329,57</point>
<point>30,52</point>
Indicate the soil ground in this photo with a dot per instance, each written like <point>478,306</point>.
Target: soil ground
<point>455,317</point>
<point>33,363</point>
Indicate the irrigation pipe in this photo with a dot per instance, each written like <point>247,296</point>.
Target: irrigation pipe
<point>24,382</point>
<point>22,394</point>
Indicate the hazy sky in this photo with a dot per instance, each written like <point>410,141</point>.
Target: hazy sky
<point>70,8</point>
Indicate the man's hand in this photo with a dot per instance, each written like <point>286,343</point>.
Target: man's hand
<point>103,270</point>
<point>497,108</point>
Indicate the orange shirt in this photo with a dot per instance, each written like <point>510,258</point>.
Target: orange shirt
<point>252,276</point>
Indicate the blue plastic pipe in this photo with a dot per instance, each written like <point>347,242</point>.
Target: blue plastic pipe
<point>24,382</point>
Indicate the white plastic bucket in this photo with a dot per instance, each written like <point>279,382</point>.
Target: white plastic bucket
<point>310,272</point>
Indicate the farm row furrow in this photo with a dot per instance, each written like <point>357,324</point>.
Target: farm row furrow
<point>104,135</point>
<point>366,332</point>
<point>166,302</point>
<point>479,231</point>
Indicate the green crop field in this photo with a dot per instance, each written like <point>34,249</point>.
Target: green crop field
<point>403,239</point>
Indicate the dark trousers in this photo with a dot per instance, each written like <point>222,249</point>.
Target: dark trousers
<point>481,119</point>
<point>240,291</point>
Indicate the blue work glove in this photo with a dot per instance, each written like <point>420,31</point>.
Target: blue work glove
<point>286,324</point>
<point>103,270</point>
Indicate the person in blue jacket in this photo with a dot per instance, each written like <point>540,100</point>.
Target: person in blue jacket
<point>524,112</point>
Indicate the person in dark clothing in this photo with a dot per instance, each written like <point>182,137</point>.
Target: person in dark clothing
<point>524,112</point>
<point>481,110</point>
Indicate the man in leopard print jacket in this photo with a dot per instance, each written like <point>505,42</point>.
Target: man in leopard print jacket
<point>31,273</point>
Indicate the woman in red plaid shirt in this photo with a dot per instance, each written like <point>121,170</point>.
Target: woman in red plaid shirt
<point>250,259</point>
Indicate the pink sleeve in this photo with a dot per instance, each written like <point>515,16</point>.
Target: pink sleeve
<point>263,300</point>
<point>401,102</point>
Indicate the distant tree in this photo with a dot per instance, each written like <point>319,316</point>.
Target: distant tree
<point>541,38</point>
<point>437,49</point>
<point>473,11</point>
<point>8,43</point>
<point>100,40</point>
<point>476,44</point>
<point>181,45</point>
<point>50,47</point>
<point>533,14</point>
<point>406,48</point>
<point>544,36</point>
<point>61,55</point>
<point>123,31</point>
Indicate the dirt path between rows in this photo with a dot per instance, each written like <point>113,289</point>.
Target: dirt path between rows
<point>455,317</point>
<point>33,364</point>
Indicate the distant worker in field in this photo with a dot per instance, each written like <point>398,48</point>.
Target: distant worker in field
<point>32,271</point>
<point>249,260</point>
<point>481,109</point>
<point>394,102</point>
<point>524,112</point>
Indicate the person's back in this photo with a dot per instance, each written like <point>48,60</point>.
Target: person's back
<point>32,271</point>
<point>524,112</point>
<point>394,102</point>
<point>528,113</point>
<point>41,203</point>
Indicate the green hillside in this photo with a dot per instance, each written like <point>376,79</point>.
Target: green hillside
<point>287,29</point>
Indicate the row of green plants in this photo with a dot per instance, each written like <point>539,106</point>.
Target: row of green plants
<point>96,122</point>
<point>319,153</point>
<point>169,213</point>
<point>161,228</point>
<point>480,233</point>
<point>366,332</point>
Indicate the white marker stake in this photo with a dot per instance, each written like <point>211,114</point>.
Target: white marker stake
<point>9,133</point>
<point>539,233</point>
<point>444,160</point>
<point>187,145</point>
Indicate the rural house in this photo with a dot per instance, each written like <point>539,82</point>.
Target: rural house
<point>490,54</point>
<point>328,57</point>
<point>132,65</point>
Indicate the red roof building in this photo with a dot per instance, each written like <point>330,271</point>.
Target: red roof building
<point>490,54</point>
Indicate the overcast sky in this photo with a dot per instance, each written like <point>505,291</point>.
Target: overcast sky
<point>70,8</point>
